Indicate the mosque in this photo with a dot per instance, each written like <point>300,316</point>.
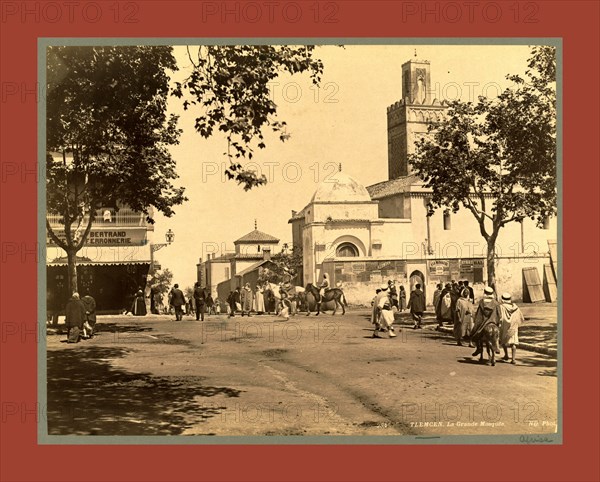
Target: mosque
<point>364,236</point>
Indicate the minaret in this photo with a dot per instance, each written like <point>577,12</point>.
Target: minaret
<point>409,118</point>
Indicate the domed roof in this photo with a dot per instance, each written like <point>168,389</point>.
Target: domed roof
<point>340,188</point>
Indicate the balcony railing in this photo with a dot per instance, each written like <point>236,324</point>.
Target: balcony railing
<point>108,218</point>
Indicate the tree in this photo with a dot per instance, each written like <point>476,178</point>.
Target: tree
<point>107,121</point>
<point>497,158</point>
<point>188,292</point>
<point>161,281</point>
<point>285,263</point>
<point>229,84</point>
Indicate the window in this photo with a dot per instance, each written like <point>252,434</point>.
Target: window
<point>346,250</point>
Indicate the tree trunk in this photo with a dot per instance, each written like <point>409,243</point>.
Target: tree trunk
<point>72,271</point>
<point>491,262</point>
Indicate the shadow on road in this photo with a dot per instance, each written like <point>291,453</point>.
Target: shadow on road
<point>531,361</point>
<point>87,396</point>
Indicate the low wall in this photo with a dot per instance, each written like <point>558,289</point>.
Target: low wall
<point>509,273</point>
<point>509,278</point>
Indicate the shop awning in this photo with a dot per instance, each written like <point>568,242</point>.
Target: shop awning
<point>94,256</point>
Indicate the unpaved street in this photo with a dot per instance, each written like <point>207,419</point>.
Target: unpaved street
<point>306,376</point>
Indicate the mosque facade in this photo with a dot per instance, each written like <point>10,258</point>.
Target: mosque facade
<point>363,236</point>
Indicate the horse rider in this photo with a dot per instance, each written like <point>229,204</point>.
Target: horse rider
<point>286,283</point>
<point>488,311</point>
<point>324,286</point>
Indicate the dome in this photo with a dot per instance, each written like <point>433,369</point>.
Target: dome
<point>340,188</point>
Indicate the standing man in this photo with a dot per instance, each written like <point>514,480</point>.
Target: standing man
<point>231,303</point>
<point>416,304</point>
<point>393,294</point>
<point>436,299</point>
<point>259,299</point>
<point>200,300</point>
<point>512,318</point>
<point>471,292</point>
<point>246,299</point>
<point>209,302</point>
<point>375,310</point>
<point>446,306</point>
<point>234,302</point>
<point>177,301</point>
<point>89,304</point>
<point>385,316</point>
<point>402,298</point>
<point>74,318</point>
<point>464,318</point>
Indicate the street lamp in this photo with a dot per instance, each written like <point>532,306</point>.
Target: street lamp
<point>169,238</point>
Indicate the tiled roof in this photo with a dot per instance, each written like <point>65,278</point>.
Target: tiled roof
<point>391,187</point>
<point>348,220</point>
<point>257,236</point>
<point>253,267</point>
<point>224,257</point>
<point>298,215</point>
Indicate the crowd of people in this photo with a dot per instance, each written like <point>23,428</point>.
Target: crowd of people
<point>454,304</point>
<point>244,301</point>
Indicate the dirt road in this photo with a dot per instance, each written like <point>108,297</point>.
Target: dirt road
<point>306,376</point>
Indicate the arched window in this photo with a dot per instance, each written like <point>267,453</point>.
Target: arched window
<point>346,250</point>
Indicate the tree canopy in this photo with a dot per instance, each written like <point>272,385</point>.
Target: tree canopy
<point>229,86</point>
<point>108,128</point>
<point>161,281</point>
<point>497,158</point>
<point>285,263</point>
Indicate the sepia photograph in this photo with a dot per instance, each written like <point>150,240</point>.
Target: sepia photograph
<point>320,242</point>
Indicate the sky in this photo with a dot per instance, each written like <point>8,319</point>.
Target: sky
<point>342,122</point>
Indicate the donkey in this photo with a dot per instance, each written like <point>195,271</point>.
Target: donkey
<point>489,339</point>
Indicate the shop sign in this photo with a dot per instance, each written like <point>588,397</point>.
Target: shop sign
<point>108,237</point>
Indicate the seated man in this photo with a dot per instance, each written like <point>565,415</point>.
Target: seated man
<point>324,286</point>
<point>488,311</point>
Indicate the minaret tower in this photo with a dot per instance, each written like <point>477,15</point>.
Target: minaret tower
<point>409,118</point>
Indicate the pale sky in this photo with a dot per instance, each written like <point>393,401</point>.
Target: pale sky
<point>343,122</point>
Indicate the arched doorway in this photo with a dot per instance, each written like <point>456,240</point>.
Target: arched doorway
<point>416,277</point>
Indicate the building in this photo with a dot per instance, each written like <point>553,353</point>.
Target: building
<point>363,236</point>
<point>112,265</point>
<point>222,274</point>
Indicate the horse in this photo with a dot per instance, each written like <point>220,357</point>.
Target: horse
<point>489,338</point>
<point>335,294</point>
<point>297,296</point>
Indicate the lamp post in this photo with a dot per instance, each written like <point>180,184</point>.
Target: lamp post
<point>169,238</point>
<point>430,213</point>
